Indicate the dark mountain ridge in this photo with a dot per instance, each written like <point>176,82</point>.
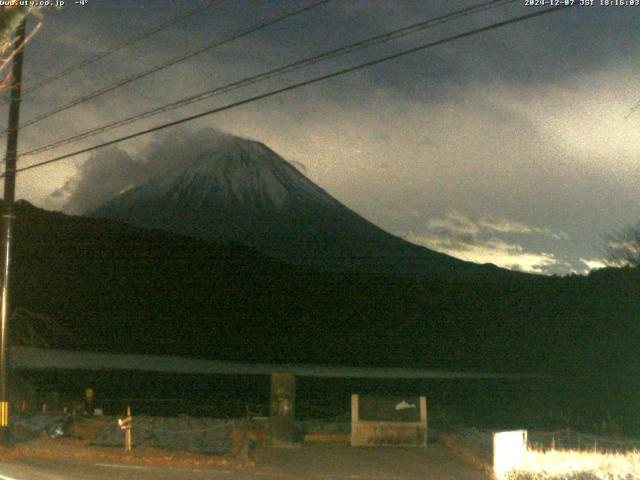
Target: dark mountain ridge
<point>115,287</point>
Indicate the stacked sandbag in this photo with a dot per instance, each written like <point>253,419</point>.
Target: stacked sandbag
<point>26,427</point>
<point>200,435</point>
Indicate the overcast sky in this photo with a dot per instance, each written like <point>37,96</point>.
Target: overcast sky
<point>514,146</point>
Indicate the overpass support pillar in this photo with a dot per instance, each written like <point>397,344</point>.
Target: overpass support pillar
<point>283,408</point>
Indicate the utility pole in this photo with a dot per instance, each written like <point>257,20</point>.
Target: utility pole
<point>7,224</point>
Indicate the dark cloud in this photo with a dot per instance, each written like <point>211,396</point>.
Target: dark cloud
<point>545,50</point>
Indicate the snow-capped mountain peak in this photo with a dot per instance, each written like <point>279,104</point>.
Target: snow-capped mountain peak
<point>238,171</point>
<point>240,190</point>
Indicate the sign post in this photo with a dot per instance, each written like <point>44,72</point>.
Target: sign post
<point>125,424</point>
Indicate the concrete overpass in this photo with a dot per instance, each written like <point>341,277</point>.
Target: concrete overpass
<point>283,376</point>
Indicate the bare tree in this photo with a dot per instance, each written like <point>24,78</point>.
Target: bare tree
<point>623,247</point>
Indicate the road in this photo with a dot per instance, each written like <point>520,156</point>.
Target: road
<point>313,462</point>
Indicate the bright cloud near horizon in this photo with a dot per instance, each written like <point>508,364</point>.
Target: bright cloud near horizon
<point>513,147</point>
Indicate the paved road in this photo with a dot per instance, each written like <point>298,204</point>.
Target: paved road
<point>316,462</point>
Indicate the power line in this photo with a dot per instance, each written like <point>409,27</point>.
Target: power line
<point>632,110</point>
<point>371,41</point>
<point>296,86</point>
<point>124,44</point>
<point>174,61</point>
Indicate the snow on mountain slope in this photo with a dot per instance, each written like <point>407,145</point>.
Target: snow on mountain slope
<point>235,171</point>
<point>240,190</point>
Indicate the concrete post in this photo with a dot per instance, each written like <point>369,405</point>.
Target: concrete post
<point>283,408</point>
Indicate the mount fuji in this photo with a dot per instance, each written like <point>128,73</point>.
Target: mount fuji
<point>239,190</point>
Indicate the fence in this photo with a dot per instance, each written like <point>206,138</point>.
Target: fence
<point>568,439</point>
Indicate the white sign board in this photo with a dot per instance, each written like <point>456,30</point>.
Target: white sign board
<point>509,449</point>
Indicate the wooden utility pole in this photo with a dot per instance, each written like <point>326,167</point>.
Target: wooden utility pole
<point>7,224</point>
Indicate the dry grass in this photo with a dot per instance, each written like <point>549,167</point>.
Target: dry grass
<point>45,447</point>
<point>467,450</point>
<point>578,465</point>
<point>79,447</point>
